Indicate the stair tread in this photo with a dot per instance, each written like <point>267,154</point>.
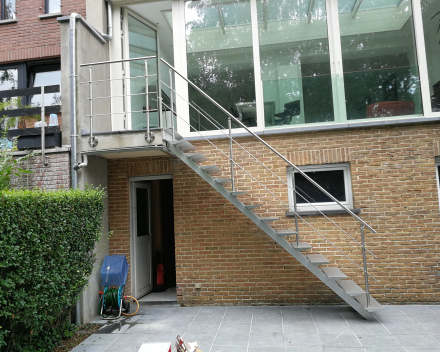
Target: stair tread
<point>237,193</point>
<point>253,206</point>
<point>286,232</point>
<point>317,259</point>
<point>373,306</point>
<point>177,135</point>
<point>301,246</point>
<point>269,219</point>
<point>351,287</point>
<point>183,145</point>
<point>197,157</point>
<point>211,169</point>
<point>223,181</point>
<point>334,273</point>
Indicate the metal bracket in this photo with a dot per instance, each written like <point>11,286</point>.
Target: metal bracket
<point>93,141</point>
<point>149,137</point>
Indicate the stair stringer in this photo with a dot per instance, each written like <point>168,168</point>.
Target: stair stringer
<point>272,233</point>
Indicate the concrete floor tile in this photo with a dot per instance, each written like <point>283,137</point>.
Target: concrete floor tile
<point>237,318</point>
<point>427,317</point>
<point>89,348</point>
<point>144,328</point>
<point>337,327</point>
<point>430,328</point>
<point>269,339</point>
<point>343,349</point>
<point>163,337</point>
<point>229,349</point>
<point>306,349</point>
<point>267,310</point>
<point>208,317</point>
<point>302,340</point>
<point>340,340</point>
<point>267,318</point>
<point>216,310</point>
<point>100,339</point>
<point>128,348</point>
<point>132,339</point>
<point>417,309</point>
<point>398,328</point>
<point>261,328</point>
<point>224,339</point>
<point>417,341</point>
<point>381,341</point>
<point>235,328</point>
<point>180,318</point>
<point>367,327</point>
<point>299,328</point>
<point>434,308</point>
<point>203,328</point>
<point>389,349</point>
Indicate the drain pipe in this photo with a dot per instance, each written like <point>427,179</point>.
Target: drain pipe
<point>109,34</point>
<point>83,164</point>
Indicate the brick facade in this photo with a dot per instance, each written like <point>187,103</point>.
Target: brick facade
<point>394,184</point>
<point>54,176</point>
<point>32,38</point>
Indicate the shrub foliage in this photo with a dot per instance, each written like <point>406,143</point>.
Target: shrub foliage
<point>46,245</point>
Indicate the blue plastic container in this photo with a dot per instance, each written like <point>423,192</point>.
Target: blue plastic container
<point>114,270</point>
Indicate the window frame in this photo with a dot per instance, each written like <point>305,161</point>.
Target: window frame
<point>332,206</point>
<point>46,8</point>
<point>2,12</point>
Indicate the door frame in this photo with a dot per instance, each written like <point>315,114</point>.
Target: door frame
<point>132,181</point>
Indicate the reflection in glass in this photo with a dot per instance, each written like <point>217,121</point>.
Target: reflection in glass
<point>220,61</point>
<point>142,42</point>
<point>380,67</point>
<point>53,6</point>
<point>8,10</point>
<point>295,65</point>
<point>431,22</point>
<point>47,79</point>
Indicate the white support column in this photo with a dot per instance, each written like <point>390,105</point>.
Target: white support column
<point>421,57</point>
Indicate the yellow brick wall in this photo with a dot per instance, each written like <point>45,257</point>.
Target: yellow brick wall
<point>394,185</point>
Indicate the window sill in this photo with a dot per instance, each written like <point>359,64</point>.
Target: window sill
<point>326,212</point>
<point>8,21</point>
<point>50,15</point>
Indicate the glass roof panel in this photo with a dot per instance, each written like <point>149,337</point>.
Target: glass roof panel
<point>378,4</point>
<point>345,6</point>
<point>290,10</point>
<point>201,17</point>
<point>236,14</point>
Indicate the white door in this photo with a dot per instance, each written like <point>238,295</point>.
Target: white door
<point>141,232</point>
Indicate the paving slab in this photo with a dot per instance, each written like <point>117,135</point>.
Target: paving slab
<point>263,328</point>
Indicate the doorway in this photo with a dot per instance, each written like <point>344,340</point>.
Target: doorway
<point>152,237</point>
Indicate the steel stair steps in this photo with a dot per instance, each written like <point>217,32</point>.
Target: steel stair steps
<point>177,136</point>
<point>184,145</point>
<point>197,157</point>
<point>211,169</point>
<point>266,220</point>
<point>253,206</point>
<point>236,193</point>
<point>317,259</point>
<point>373,306</point>
<point>223,181</point>
<point>285,233</point>
<point>351,287</point>
<point>334,273</point>
<point>301,246</point>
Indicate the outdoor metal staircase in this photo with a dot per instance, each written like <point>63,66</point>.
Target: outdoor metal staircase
<point>333,277</point>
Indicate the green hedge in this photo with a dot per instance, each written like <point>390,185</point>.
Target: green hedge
<point>46,255</point>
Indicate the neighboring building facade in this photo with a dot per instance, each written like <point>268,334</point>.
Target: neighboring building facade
<point>346,90</point>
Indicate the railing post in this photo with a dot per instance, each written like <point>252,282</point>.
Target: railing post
<point>231,155</point>
<point>171,102</point>
<point>93,141</point>
<point>124,97</point>
<point>43,135</point>
<point>364,257</point>
<point>295,208</point>
<point>147,99</point>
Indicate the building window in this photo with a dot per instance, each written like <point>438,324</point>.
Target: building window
<point>53,6</point>
<point>7,10</point>
<point>47,75</point>
<point>334,178</point>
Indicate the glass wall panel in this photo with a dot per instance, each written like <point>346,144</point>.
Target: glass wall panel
<point>381,75</point>
<point>431,23</point>
<point>142,42</point>
<point>295,65</point>
<point>48,78</point>
<point>220,61</point>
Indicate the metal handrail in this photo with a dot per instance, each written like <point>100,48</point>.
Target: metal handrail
<point>271,148</point>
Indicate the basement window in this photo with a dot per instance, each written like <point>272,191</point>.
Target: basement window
<point>334,178</point>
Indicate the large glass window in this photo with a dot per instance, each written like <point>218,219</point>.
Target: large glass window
<point>220,61</point>
<point>295,65</point>
<point>431,23</point>
<point>7,10</point>
<point>53,6</point>
<point>381,75</point>
<point>142,42</point>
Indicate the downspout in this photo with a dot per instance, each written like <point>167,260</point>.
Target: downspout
<point>109,34</point>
